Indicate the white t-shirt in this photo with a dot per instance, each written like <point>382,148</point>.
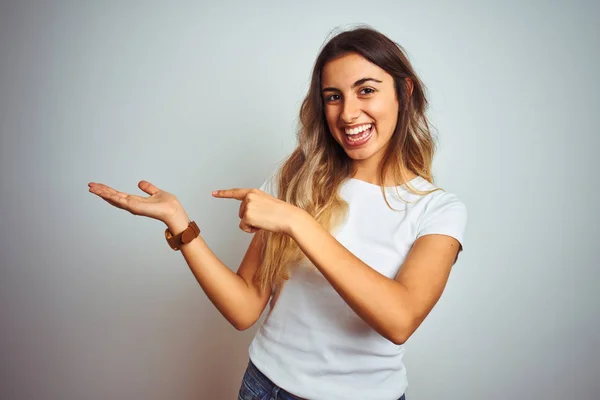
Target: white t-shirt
<point>312,344</point>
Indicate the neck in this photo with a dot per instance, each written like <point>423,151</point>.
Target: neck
<point>370,173</point>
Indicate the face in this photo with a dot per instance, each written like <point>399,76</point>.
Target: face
<point>361,106</point>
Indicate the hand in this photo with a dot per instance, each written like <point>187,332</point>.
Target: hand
<point>161,205</point>
<point>259,210</point>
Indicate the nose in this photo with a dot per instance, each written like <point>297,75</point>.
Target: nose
<point>350,110</point>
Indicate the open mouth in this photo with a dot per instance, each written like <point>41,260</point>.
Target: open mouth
<point>358,135</point>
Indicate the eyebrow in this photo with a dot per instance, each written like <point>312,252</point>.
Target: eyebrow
<point>357,83</point>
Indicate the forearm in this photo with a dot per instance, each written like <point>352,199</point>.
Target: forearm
<point>381,302</point>
<point>228,291</point>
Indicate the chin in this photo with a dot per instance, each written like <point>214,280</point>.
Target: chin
<point>358,155</point>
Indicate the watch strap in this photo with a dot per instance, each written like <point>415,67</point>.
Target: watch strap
<point>189,234</point>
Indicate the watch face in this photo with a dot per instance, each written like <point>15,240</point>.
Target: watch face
<point>187,236</point>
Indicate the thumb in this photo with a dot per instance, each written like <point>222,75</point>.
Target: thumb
<point>148,187</point>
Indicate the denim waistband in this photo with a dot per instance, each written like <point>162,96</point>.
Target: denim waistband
<point>268,385</point>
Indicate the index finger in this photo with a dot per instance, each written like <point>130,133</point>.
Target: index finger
<point>237,194</point>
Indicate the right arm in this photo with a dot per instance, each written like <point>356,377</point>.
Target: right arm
<point>234,294</point>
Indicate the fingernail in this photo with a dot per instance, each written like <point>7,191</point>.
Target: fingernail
<point>215,192</point>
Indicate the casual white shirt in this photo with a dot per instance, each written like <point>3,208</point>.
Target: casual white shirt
<point>311,343</point>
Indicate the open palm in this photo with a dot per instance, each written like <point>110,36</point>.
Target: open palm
<point>160,205</point>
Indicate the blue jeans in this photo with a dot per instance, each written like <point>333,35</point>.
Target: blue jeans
<point>256,386</point>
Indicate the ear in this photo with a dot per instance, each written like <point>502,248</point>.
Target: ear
<point>411,86</point>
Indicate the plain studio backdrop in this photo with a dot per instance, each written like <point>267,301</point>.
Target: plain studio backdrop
<point>197,96</point>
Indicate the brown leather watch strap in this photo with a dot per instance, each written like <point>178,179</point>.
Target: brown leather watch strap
<point>189,234</point>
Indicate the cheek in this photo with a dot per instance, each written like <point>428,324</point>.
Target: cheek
<point>385,113</point>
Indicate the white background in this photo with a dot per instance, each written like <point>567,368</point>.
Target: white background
<point>197,96</point>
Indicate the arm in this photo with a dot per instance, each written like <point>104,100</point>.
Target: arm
<point>393,308</point>
<point>234,295</point>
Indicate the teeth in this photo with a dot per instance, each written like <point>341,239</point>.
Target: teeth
<point>360,137</point>
<point>358,129</point>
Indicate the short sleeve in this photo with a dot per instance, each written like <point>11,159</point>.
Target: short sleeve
<point>444,215</point>
<point>269,186</point>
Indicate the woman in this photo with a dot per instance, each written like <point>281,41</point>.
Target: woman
<point>353,244</point>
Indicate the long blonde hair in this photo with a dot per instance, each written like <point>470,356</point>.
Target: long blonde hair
<point>313,173</point>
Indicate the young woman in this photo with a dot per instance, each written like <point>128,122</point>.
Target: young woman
<point>353,243</point>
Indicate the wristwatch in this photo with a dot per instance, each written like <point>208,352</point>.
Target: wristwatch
<point>189,234</point>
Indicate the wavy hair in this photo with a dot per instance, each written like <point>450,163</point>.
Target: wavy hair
<point>311,176</point>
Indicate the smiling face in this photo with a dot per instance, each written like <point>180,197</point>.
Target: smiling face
<point>361,107</point>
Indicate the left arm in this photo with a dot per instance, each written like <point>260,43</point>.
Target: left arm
<point>393,307</point>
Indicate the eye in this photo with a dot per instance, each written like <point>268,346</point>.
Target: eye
<point>332,97</point>
<point>367,90</point>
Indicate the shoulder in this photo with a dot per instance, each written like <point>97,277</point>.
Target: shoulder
<point>437,197</point>
<point>441,200</point>
<point>270,184</point>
